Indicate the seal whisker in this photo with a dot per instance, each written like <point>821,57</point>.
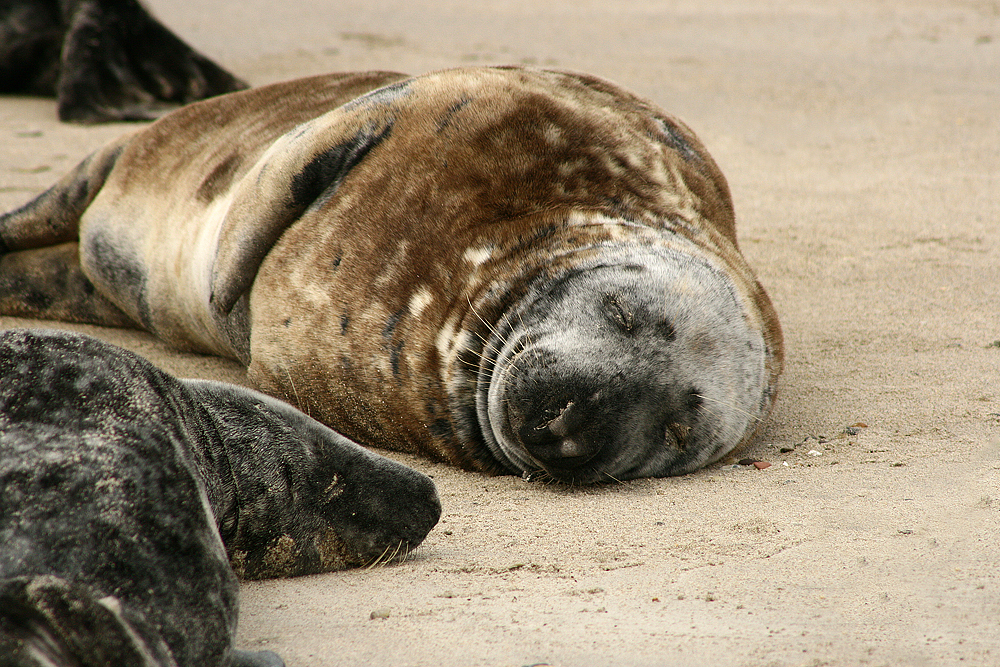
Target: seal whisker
<point>379,559</point>
<point>525,328</point>
<point>488,325</point>
<point>731,406</point>
<point>607,474</point>
<point>298,401</point>
<point>394,556</point>
<point>488,345</point>
<point>390,555</point>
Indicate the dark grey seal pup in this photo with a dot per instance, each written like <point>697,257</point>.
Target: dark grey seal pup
<point>105,60</point>
<point>126,493</point>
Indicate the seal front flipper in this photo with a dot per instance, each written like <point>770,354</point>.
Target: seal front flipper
<point>40,272</point>
<point>54,216</point>
<point>298,498</point>
<point>300,170</point>
<point>120,63</point>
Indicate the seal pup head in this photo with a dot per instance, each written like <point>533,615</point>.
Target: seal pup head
<point>305,498</point>
<point>640,365</point>
<point>141,474</point>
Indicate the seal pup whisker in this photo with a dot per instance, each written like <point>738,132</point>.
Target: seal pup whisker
<point>386,556</point>
<point>613,478</point>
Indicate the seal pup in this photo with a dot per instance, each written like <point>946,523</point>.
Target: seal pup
<point>126,493</point>
<point>105,60</point>
<point>511,269</point>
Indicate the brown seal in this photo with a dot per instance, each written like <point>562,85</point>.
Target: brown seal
<point>511,269</point>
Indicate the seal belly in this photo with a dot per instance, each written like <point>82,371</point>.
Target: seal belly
<point>159,273</point>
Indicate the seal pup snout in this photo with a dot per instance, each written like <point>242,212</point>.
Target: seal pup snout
<point>306,499</point>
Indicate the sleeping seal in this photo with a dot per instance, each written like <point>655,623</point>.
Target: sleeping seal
<point>510,269</point>
<point>125,494</point>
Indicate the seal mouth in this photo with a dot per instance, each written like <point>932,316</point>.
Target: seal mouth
<point>545,428</point>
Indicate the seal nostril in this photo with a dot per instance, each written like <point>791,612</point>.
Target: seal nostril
<point>546,425</point>
<point>559,425</point>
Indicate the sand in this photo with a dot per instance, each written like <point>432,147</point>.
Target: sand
<point>862,144</point>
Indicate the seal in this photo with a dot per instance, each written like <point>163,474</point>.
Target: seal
<point>510,269</point>
<point>105,60</point>
<point>130,500</point>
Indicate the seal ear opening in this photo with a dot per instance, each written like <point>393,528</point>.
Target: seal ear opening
<point>301,170</point>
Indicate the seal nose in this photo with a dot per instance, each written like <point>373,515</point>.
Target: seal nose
<point>557,437</point>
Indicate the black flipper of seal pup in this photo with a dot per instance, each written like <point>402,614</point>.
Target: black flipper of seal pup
<point>117,481</point>
<point>105,60</point>
<point>514,270</point>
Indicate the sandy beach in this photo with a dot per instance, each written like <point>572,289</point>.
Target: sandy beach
<point>861,141</point>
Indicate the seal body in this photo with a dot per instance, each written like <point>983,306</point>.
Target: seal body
<point>125,494</point>
<point>514,270</point>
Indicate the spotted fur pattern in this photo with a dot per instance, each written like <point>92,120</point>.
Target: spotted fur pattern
<point>129,497</point>
<point>384,252</point>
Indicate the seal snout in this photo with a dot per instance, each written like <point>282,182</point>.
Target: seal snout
<point>556,437</point>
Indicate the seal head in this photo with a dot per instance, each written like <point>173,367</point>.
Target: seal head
<point>639,367</point>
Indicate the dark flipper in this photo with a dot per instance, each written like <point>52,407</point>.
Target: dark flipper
<point>48,284</point>
<point>54,216</point>
<point>106,60</point>
<point>257,659</point>
<point>30,40</point>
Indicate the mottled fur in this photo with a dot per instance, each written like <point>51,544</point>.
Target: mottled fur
<point>390,262</point>
<point>128,497</point>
